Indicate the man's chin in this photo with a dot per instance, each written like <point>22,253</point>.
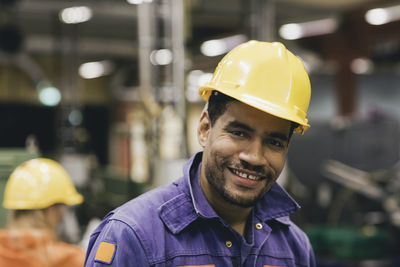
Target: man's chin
<point>241,202</point>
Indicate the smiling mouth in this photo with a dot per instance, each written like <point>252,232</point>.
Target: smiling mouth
<point>246,175</point>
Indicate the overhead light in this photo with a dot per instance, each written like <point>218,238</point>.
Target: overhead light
<point>379,16</point>
<point>361,66</point>
<point>138,2</point>
<point>293,31</point>
<point>221,46</point>
<point>74,15</point>
<point>91,70</point>
<point>49,96</point>
<point>196,79</point>
<point>75,117</point>
<point>161,57</point>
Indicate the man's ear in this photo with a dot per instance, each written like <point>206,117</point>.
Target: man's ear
<point>203,128</point>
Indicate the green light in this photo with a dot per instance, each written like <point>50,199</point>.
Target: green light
<point>49,96</point>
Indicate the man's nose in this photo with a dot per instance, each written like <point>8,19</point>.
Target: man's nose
<point>253,153</point>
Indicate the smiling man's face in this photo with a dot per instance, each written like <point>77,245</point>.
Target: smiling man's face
<point>244,153</point>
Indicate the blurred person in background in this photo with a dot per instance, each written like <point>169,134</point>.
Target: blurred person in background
<point>37,194</point>
<point>226,210</point>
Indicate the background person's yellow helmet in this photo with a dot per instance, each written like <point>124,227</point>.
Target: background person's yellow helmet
<point>37,184</point>
<point>266,76</point>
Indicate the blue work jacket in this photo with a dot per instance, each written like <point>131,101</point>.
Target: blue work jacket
<point>174,225</point>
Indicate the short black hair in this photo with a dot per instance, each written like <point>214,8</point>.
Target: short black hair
<point>217,105</point>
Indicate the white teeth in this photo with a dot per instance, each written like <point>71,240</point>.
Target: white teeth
<point>247,176</point>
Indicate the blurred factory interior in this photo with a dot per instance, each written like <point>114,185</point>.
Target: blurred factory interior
<point>109,89</point>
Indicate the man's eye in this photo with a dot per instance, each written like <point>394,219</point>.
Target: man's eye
<point>238,133</point>
<point>276,143</point>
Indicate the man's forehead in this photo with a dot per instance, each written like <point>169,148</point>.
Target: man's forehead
<point>253,119</point>
<point>239,109</point>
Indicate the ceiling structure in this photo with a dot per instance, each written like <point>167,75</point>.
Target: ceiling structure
<point>112,32</point>
<point>32,28</point>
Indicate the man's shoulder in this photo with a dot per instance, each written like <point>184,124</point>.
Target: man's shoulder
<point>147,218</point>
<point>148,205</point>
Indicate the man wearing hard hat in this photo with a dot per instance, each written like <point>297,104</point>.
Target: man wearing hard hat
<point>226,210</point>
<point>36,194</point>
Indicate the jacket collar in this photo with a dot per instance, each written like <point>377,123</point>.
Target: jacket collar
<point>277,203</point>
<point>191,204</point>
<point>182,210</point>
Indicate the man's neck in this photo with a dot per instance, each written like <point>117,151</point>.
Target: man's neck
<point>234,215</point>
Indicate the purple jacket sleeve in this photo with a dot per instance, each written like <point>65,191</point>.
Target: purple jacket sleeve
<point>128,250</point>
<point>312,258</point>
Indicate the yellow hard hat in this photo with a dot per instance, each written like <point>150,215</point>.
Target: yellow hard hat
<point>266,76</point>
<point>37,184</point>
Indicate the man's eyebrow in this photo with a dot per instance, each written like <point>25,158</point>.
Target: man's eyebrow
<point>241,125</point>
<point>279,135</point>
<point>238,124</point>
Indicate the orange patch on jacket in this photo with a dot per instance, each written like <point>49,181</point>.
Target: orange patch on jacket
<point>105,252</point>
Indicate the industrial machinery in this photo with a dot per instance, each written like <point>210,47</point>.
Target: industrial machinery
<point>348,186</point>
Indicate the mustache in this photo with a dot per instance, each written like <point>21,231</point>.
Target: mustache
<point>254,168</point>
